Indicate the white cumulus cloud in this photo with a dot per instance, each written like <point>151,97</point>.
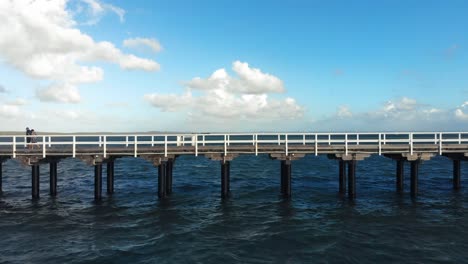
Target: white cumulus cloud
<point>223,97</point>
<point>248,81</point>
<point>40,38</point>
<point>152,44</point>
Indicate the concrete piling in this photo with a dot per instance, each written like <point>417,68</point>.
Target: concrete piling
<point>97,182</point>
<point>35,181</point>
<point>342,179</point>
<point>53,178</point>
<point>225,178</point>
<point>352,179</point>
<point>110,177</point>
<point>456,174</point>
<point>162,180</point>
<point>400,168</point>
<point>414,177</point>
<point>169,167</point>
<point>286,178</point>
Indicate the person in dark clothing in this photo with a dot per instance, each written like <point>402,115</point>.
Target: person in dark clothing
<point>28,135</point>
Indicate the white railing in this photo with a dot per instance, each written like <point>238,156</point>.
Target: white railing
<point>195,143</point>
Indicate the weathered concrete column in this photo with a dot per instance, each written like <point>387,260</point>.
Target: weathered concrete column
<point>456,174</point>
<point>225,178</point>
<point>414,177</point>
<point>1,177</point>
<point>169,167</point>
<point>35,181</point>
<point>400,168</point>
<point>225,172</point>
<point>162,180</point>
<point>352,179</point>
<point>342,179</point>
<point>110,177</point>
<point>351,159</point>
<point>53,178</point>
<point>286,178</point>
<point>98,181</point>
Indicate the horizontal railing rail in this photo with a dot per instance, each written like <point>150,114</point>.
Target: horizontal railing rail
<point>199,141</point>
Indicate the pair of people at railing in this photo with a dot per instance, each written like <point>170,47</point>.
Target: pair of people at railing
<point>31,138</point>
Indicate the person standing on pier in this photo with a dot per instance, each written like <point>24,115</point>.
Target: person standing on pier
<point>34,139</point>
<point>28,137</point>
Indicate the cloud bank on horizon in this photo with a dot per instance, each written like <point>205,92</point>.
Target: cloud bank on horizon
<point>60,52</point>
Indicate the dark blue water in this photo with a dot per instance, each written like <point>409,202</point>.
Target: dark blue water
<point>254,226</point>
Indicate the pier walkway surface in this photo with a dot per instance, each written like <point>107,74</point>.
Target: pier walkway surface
<point>162,149</point>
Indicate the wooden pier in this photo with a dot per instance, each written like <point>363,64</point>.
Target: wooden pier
<point>162,150</point>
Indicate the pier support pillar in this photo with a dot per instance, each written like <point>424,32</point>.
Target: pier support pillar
<point>414,177</point>
<point>98,181</point>
<point>169,167</point>
<point>286,178</point>
<point>110,177</point>
<point>352,179</point>
<point>1,180</point>
<point>342,179</point>
<point>456,174</point>
<point>35,181</point>
<point>400,168</point>
<point>53,178</point>
<point>162,180</point>
<point>225,178</point>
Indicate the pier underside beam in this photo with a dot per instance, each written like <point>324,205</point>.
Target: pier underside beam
<point>53,178</point>
<point>98,181</point>
<point>162,180</point>
<point>110,177</point>
<point>225,179</point>
<point>286,178</point>
<point>35,181</point>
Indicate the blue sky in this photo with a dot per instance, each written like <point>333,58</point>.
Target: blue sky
<point>233,65</point>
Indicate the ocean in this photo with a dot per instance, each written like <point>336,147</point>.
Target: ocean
<point>254,226</point>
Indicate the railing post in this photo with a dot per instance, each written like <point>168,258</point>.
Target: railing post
<point>279,139</point>
<point>380,144</point>
<point>43,146</point>
<point>357,139</point>
<point>50,142</point>
<point>165,145</point>
<point>14,147</point>
<point>225,146</point>
<point>105,146</point>
<point>228,140</point>
<point>126,141</point>
<point>100,141</point>
<point>459,138</point>
<point>196,145</point>
<point>384,138</point>
<point>303,139</point>
<point>440,143</point>
<point>203,138</point>
<point>316,145</point>
<point>411,143</point>
<point>74,147</point>
<point>136,146</point>
<point>256,144</point>
<point>152,141</point>
<point>286,143</point>
<point>346,144</point>
<point>329,139</point>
